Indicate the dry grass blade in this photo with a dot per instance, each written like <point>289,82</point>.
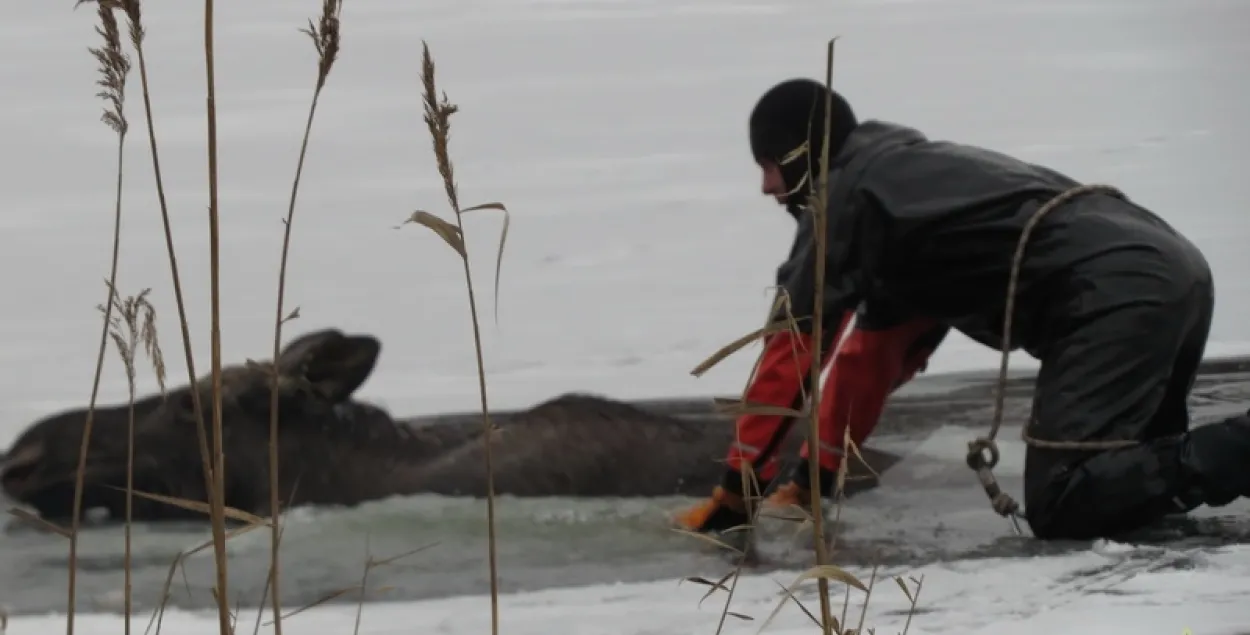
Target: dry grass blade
<point>914,598</point>
<point>199,506</point>
<point>39,523</point>
<point>158,617</point>
<point>903,586</point>
<point>445,230</point>
<point>114,66</point>
<point>820,572</point>
<point>503,239</point>
<point>863,613</point>
<point>790,594</point>
<point>739,407</point>
<point>708,539</point>
<point>713,587</point>
<point>370,565</point>
<point>273,563</point>
<point>364,584</point>
<point>854,448</point>
<point>737,345</point>
<point>332,595</point>
<point>269,575</point>
<point>400,556</point>
<point>843,469</point>
<point>830,572</point>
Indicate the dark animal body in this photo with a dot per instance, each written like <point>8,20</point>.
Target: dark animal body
<point>337,450</point>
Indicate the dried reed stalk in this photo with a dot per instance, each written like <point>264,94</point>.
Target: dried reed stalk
<point>438,121</point>
<point>134,16</point>
<point>114,66</point>
<point>820,213</point>
<point>133,11</point>
<point>325,38</point>
<point>138,317</point>
<point>216,493</point>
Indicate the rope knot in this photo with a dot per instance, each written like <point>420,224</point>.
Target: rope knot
<point>977,457</point>
<point>983,455</point>
<point>1004,505</point>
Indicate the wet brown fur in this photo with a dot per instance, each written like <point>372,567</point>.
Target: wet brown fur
<point>336,450</point>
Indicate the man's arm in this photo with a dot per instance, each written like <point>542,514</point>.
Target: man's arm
<point>796,281</point>
<point>883,351</point>
<point>786,361</point>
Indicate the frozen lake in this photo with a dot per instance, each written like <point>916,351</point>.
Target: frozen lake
<point>616,134</point>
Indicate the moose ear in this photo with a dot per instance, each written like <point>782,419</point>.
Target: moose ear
<point>297,354</point>
<point>339,365</point>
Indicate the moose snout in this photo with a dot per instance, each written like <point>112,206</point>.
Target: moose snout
<point>17,469</point>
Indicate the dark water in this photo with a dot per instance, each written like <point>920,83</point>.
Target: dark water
<point>929,507</point>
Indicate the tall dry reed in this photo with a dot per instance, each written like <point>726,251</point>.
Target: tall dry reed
<point>438,114</point>
<point>114,66</point>
<point>325,37</point>
<point>132,328</point>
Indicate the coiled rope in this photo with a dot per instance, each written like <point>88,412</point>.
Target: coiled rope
<point>983,453</point>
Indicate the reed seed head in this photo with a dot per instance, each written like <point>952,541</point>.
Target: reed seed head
<point>438,119</point>
<point>114,65</point>
<point>133,324</point>
<point>325,37</point>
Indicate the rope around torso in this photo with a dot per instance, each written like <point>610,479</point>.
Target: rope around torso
<point>977,458</point>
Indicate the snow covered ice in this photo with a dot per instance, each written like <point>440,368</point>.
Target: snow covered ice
<point>1110,591</point>
<point>615,132</point>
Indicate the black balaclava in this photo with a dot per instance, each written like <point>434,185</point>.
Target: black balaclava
<point>779,129</point>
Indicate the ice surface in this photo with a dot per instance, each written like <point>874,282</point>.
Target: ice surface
<point>615,132</point>
<point>1110,590</point>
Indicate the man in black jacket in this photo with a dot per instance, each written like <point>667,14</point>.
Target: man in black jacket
<point>1114,302</point>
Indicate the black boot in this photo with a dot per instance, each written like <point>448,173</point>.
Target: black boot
<point>802,476</point>
<point>1218,457</point>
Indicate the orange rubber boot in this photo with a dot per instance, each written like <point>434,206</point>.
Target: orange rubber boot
<point>723,510</point>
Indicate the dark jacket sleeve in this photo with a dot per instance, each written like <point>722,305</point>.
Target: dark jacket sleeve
<point>796,278</point>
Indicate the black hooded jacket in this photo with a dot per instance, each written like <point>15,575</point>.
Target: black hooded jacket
<point>929,228</point>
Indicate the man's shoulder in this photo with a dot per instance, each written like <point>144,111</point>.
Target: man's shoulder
<point>906,153</point>
<point>875,136</point>
<point>913,177</point>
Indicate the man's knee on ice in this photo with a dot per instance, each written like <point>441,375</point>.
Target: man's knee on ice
<point>1082,495</point>
<point>1123,490</point>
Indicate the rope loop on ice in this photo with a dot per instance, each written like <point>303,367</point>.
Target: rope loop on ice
<point>983,454</point>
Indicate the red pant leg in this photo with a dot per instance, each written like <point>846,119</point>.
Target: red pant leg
<point>782,373</point>
<point>870,365</point>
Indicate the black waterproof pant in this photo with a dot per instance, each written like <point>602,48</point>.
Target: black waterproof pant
<point>1121,368</point>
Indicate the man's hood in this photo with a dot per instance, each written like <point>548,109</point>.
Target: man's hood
<point>865,139</point>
